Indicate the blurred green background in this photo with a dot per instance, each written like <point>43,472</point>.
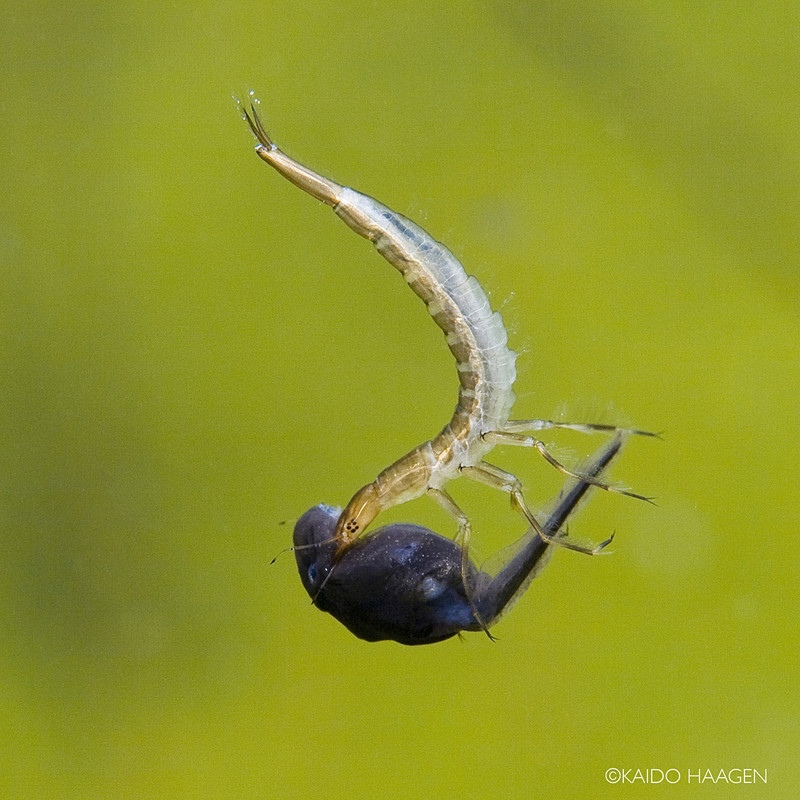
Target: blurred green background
<point>193,352</point>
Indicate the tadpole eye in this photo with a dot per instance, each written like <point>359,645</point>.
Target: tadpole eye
<point>312,573</point>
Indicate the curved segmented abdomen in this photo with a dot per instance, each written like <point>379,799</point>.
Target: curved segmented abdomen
<point>457,302</point>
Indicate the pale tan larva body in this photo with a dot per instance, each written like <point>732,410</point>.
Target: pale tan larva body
<point>475,335</point>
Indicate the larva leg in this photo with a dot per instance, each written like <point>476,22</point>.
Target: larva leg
<point>464,530</point>
<point>454,510</point>
<point>506,482</point>
<point>510,435</point>
<point>523,425</point>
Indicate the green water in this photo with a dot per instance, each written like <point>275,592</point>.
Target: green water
<point>194,352</point>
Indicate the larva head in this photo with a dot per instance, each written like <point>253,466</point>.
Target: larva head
<point>358,514</point>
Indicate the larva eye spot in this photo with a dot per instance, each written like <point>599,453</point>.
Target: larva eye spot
<point>359,513</point>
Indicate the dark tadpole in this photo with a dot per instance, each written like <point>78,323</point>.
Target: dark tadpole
<point>404,582</point>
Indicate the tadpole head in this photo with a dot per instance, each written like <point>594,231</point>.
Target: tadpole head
<point>401,582</point>
<point>315,546</point>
